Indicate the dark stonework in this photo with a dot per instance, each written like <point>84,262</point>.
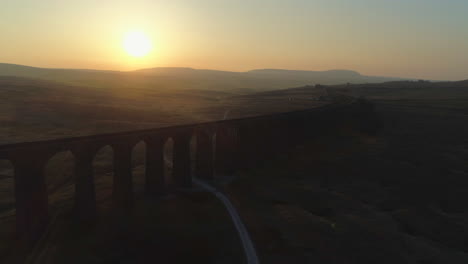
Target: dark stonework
<point>122,194</point>
<point>204,157</point>
<point>32,214</point>
<point>248,157</point>
<point>221,155</point>
<point>182,168</point>
<point>85,194</point>
<point>227,148</point>
<point>154,166</point>
<point>240,143</point>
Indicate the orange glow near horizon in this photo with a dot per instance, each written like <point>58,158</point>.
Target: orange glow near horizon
<point>427,41</point>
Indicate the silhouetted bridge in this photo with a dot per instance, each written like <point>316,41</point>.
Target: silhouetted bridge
<point>222,146</point>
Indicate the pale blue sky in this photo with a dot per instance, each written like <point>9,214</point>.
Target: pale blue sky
<point>413,38</point>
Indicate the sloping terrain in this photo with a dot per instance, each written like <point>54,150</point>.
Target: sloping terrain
<point>347,199</point>
<point>420,90</point>
<point>398,197</point>
<point>172,79</point>
<point>34,109</point>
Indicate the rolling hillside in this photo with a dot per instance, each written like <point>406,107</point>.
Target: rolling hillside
<point>189,79</point>
<point>423,141</point>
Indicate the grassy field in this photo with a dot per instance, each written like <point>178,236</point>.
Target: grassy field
<point>308,207</point>
<point>39,110</point>
<point>398,197</point>
<point>192,227</point>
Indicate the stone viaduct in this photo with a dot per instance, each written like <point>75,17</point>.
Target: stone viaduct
<point>222,146</point>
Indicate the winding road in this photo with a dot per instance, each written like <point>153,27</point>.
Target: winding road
<point>249,249</point>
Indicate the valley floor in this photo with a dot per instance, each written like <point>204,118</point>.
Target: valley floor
<point>399,197</point>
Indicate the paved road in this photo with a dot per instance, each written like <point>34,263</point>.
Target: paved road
<point>249,249</point>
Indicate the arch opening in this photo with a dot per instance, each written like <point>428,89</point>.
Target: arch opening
<point>213,149</point>
<point>7,205</point>
<point>168,153</point>
<point>193,155</point>
<point>60,180</point>
<point>139,167</point>
<point>7,186</point>
<point>225,153</point>
<point>104,177</point>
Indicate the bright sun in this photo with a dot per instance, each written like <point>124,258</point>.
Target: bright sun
<point>137,44</point>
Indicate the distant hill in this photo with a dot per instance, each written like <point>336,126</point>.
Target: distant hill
<point>409,90</point>
<point>330,77</point>
<point>396,90</point>
<point>188,79</point>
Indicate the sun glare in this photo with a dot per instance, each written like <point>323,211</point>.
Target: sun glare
<point>137,44</point>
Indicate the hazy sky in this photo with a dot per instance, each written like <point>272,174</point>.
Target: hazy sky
<point>405,38</point>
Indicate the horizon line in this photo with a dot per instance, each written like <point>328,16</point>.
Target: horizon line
<point>207,69</point>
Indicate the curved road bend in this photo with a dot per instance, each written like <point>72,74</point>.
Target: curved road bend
<point>249,249</point>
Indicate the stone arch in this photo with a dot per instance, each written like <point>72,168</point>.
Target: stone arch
<point>7,186</point>
<point>155,167</point>
<point>7,201</point>
<point>168,154</point>
<point>193,154</point>
<point>139,166</point>
<point>182,168</point>
<point>214,149</point>
<point>103,168</point>
<point>204,158</point>
<point>60,180</point>
<point>225,155</point>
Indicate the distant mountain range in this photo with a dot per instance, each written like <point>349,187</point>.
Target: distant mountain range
<point>187,78</point>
